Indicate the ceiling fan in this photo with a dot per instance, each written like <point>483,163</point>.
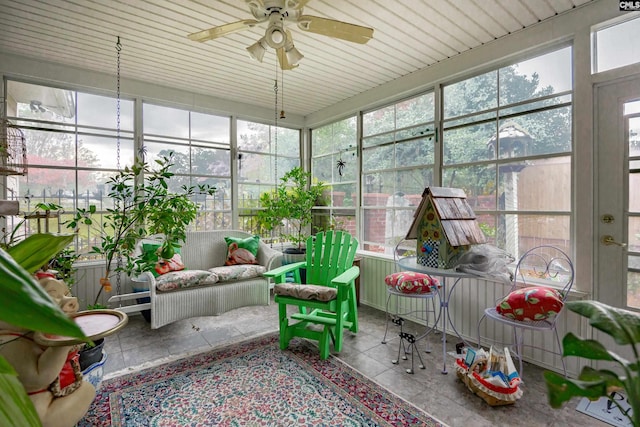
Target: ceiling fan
<point>277,13</point>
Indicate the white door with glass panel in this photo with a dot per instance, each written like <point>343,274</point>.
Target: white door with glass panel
<point>618,194</point>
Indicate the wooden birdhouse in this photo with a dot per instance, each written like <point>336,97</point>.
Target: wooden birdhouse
<point>444,226</point>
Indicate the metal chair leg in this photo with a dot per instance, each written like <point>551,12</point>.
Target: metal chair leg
<point>386,329</point>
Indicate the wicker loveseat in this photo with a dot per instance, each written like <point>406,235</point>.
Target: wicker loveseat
<point>204,250</point>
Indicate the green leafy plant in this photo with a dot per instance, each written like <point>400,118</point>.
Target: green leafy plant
<point>143,206</point>
<point>624,327</point>
<point>25,304</point>
<point>292,201</point>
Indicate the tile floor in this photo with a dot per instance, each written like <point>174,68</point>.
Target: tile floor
<point>443,396</point>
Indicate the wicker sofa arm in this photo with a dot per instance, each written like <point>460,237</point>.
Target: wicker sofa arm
<point>268,257</point>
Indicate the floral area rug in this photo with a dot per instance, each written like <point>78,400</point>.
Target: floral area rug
<point>252,383</point>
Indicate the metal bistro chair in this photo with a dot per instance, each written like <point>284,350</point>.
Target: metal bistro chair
<point>410,286</point>
<point>327,301</point>
<point>541,283</point>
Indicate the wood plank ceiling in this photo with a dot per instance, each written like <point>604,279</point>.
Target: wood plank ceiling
<point>409,35</point>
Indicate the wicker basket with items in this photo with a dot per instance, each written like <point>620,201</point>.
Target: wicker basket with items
<point>492,376</point>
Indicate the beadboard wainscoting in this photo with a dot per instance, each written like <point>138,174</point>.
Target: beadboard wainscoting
<point>88,285</point>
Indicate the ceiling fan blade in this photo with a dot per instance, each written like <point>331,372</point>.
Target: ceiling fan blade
<point>222,30</point>
<point>338,29</point>
<point>282,59</point>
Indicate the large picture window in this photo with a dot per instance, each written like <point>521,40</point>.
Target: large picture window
<point>398,158</point>
<point>72,149</point>
<point>334,162</point>
<point>265,154</point>
<point>507,143</point>
<point>202,153</point>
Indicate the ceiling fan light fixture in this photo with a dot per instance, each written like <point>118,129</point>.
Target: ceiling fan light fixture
<point>275,36</point>
<point>257,50</point>
<point>293,55</point>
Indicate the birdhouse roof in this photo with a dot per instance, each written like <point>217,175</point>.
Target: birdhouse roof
<point>456,216</point>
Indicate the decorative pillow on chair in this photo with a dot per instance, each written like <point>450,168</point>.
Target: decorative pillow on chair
<point>531,303</point>
<point>410,282</point>
<point>185,279</point>
<point>150,255</point>
<point>164,266</point>
<point>242,250</point>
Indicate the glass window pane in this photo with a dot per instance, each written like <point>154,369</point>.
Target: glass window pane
<point>634,196</point>
<point>416,110</point>
<point>156,151</point>
<point>479,180</point>
<point>207,127</point>
<point>471,95</point>
<point>634,234</point>
<point>102,152</point>
<point>536,77</point>
<point>254,137</point>
<point>633,282</point>
<point>210,161</point>
<point>416,152</point>
<point>322,168</point>
<point>519,233</point>
<point>378,158</point>
<point>101,111</point>
<point>44,185</point>
<point>49,148</point>
<point>256,168</point>
<point>634,136</point>
<point>535,185</point>
<point>469,144</point>
<point>378,139</point>
<point>379,121</point>
<point>545,132</point>
<point>616,46</point>
<point>165,121</point>
<point>343,195</point>
<point>412,182</point>
<point>41,102</point>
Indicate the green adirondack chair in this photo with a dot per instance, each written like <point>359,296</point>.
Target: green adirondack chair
<point>327,299</point>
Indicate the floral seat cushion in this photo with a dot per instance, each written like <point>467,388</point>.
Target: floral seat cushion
<point>531,303</point>
<point>307,292</point>
<point>237,272</point>
<point>410,282</point>
<point>185,279</point>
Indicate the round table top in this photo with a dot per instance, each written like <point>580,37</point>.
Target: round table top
<point>95,324</point>
<point>411,263</point>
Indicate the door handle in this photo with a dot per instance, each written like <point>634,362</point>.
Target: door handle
<point>609,240</point>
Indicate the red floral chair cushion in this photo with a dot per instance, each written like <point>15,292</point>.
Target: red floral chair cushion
<point>410,282</point>
<point>531,303</point>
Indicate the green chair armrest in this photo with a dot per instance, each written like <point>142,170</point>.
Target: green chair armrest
<point>347,277</point>
<point>285,269</point>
